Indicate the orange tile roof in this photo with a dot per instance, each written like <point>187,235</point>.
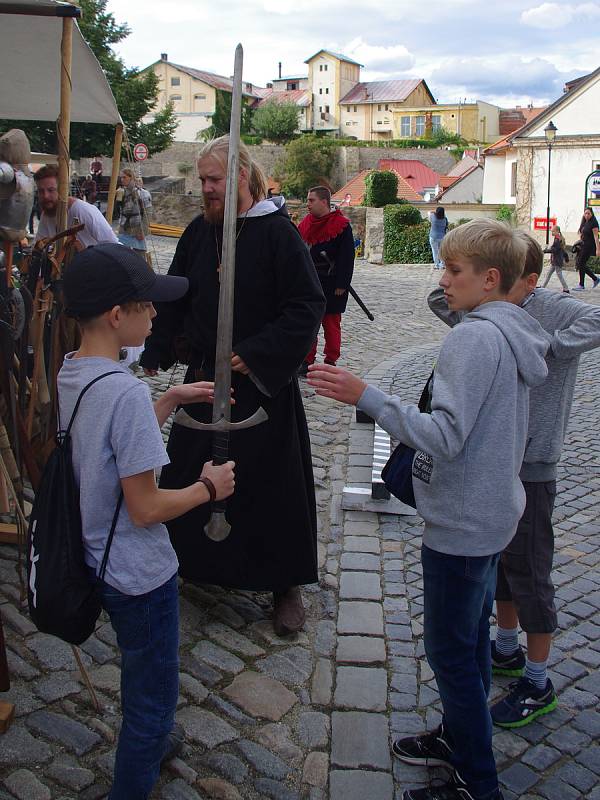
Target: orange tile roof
<point>447,180</point>
<point>356,189</point>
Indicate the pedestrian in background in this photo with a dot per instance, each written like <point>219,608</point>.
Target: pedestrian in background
<point>558,256</point>
<point>439,228</point>
<point>589,244</point>
<point>132,230</point>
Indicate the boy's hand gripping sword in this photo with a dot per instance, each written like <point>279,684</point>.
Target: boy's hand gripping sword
<point>217,527</point>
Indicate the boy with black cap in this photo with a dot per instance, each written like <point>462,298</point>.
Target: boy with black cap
<point>117,446</point>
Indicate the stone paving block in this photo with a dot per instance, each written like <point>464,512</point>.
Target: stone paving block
<point>222,707</point>
<point>360,650</point>
<point>590,758</point>
<point>322,683</point>
<point>53,653</point>
<point>555,789</point>
<point>576,775</point>
<point>205,728</point>
<point>59,728</point>
<point>588,722</point>
<point>360,739</point>
<point>56,686</point>
<point>360,784</point>
<point>20,748</point>
<point>232,640</point>
<point>325,637</point>
<point>66,771</point>
<point>363,544</point>
<point>316,767</point>
<point>364,562</point>
<point>313,729</point>
<point>362,586</point>
<point>262,760</point>
<point>24,785</point>
<point>578,699</point>
<point>360,617</point>
<point>219,789</point>
<point>260,695</point>
<point>19,622</point>
<point>361,687</point>
<point>179,790</point>
<point>518,778</point>
<point>274,789</point>
<point>275,736</point>
<point>292,666</point>
<point>568,740</point>
<point>227,765</point>
<point>218,657</point>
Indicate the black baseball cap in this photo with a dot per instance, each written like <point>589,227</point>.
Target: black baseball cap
<point>109,275</point>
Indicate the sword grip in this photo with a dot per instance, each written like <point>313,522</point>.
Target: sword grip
<point>220,456</point>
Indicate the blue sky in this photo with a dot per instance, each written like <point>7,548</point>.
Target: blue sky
<point>508,52</point>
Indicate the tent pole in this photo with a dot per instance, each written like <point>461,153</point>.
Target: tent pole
<point>64,121</point>
<point>116,165</point>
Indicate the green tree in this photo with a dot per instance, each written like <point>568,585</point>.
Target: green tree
<point>307,162</point>
<point>381,188</point>
<point>221,119</point>
<point>276,121</point>
<point>135,93</point>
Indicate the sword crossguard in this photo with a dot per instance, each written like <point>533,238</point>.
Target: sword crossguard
<point>183,418</point>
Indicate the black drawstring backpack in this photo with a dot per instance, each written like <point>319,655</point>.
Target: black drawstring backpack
<point>63,600</point>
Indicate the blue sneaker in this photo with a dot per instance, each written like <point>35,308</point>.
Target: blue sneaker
<point>523,703</point>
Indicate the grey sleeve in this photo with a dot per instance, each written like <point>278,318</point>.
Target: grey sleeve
<point>581,331</point>
<point>438,304</point>
<point>136,439</point>
<point>464,373</point>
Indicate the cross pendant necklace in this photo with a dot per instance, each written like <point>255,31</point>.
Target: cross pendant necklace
<point>220,253</point>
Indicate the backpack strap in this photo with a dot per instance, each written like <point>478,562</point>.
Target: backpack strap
<point>104,563</point>
<point>83,391</point>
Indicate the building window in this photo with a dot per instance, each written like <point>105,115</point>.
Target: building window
<point>327,109</point>
<point>355,109</point>
<point>199,97</point>
<point>175,97</point>
<point>513,179</point>
<point>420,126</point>
<point>320,91</point>
<point>292,86</point>
<point>347,108</point>
<point>324,67</point>
<point>327,90</point>
<point>405,126</point>
<point>175,81</point>
<point>379,122</point>
<point>348,123</point>
<point>436,122</point>
<point>379,108</point>
<point>387,108</point>
<point>320,109</point>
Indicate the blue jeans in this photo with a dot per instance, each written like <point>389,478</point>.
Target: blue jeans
<point>458,598</point>
<point>435,252</point>
<point>147,628</point>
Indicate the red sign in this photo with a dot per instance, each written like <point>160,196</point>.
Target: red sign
<point>140,152</point>
<point>539,223</point>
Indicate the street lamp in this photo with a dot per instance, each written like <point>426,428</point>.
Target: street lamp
<point>550,135</point>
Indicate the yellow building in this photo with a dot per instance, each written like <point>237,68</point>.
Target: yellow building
<point>475,122</point>
<point>193,94</point>
<point>330,77</point>
<point>367,110</point>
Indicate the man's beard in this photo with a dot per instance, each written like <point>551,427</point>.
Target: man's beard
<point>214,211</point>
<point>50,210</point>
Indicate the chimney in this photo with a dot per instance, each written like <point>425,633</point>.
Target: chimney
<point>163,57</point>
<point>280,70</point>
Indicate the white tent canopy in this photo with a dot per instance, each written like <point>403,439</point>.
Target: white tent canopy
<point>30,66</point>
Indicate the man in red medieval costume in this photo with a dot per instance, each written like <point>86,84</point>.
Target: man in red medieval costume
<point>328,235</point>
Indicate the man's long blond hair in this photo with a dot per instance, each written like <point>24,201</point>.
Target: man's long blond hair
<point>219,150</point>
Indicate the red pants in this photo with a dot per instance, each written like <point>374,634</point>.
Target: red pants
<point>332,327</point>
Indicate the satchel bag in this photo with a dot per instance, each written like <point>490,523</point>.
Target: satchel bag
<point>397,473</point>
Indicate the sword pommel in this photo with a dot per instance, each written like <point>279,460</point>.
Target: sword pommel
<point>217,528</point>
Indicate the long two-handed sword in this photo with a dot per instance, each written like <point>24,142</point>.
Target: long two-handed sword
<point>217,528</point>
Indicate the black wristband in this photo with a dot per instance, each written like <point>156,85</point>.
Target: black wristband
<point>210,486</point>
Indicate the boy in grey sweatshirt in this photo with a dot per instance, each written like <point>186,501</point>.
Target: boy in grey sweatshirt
<point>525,593</point>
<point>467,488</point>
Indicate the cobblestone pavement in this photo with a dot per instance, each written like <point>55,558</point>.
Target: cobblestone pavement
<point>312,717</point>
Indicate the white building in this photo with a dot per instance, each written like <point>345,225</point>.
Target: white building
<point>516,168</point>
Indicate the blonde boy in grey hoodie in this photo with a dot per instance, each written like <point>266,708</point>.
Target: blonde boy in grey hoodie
<point>466,485</point>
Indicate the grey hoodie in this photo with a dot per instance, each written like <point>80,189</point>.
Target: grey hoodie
<point>470,448</point>
<point>575,328</point>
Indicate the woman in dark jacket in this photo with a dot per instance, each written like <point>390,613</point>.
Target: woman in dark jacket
<point>590,245</point>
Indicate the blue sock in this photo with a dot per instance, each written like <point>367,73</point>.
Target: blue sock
<point>507,641</point>
<point>536,672</point>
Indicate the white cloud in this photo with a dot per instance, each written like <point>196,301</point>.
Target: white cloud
<point>379,59</point>
<point>553,15</point>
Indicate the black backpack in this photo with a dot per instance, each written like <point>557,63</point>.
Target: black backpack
<point>63,600</point>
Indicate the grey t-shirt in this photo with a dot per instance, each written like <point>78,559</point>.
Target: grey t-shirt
<point>115,435</point>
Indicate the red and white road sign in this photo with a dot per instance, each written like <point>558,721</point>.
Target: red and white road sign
<point>140,152</point>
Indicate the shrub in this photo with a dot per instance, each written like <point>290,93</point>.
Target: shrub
<point>506,214</point>
<point>248,138</point>
<point>276,121</point>
<point>307,162</point>
<point>381,188</point>
<point>406,236</point>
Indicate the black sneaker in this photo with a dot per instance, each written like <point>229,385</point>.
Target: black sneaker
<point>428,750</point>
<point>512,665</point>
<point>455,789</point>
<point>523,703</point>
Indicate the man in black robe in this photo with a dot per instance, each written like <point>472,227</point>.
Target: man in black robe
<point>278,307</point>
<point>328,234</point>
